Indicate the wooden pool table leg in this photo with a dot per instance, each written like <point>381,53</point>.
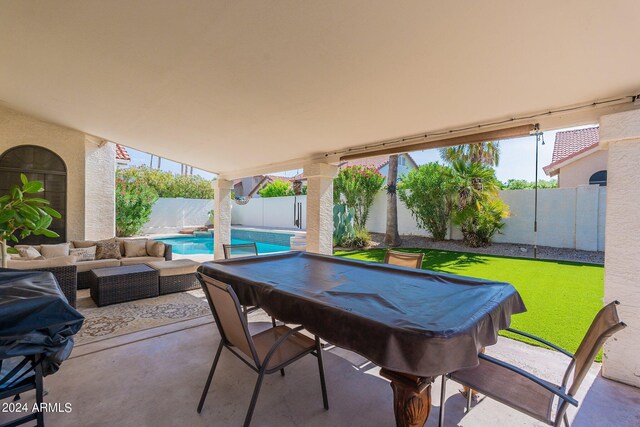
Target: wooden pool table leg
<point>411,398</point>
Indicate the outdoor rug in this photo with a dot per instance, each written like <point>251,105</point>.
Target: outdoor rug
<point>119,319</point>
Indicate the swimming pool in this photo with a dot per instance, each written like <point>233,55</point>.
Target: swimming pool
<point>192,245</point>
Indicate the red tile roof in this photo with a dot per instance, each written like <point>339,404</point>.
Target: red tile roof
<point>571,143</point>
<point>122,153</point>
<point>377,162</point>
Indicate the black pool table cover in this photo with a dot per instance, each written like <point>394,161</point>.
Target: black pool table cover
<point>406,320</point>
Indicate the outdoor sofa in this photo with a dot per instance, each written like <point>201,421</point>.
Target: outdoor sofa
<point>74,272</point>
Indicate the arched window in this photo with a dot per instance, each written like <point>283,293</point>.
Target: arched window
<point>39,164</point>
<point>599,178</point>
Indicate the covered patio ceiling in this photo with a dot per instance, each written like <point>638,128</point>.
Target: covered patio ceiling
<point>243,87</point>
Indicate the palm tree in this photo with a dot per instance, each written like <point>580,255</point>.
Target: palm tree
<point>392,237</point>
<point>486,153</point>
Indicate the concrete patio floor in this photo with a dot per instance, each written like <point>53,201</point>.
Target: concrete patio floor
<point>155,377</point>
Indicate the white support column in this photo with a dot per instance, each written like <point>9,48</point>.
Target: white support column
<point>222,215</point>
<point>621,134</point>
<point>320,207</point>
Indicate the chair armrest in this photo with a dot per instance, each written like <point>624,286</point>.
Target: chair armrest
<point>558,392</point>
<point>168,252</point>
<point>542,341</point>
<point>278,343</point>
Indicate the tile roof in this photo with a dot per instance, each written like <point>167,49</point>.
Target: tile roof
<point>122,153</point>
<point>570,143</point>
<point>377,162</point>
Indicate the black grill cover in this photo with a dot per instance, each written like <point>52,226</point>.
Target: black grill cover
<point>35,318</point>
<point>406,320</point>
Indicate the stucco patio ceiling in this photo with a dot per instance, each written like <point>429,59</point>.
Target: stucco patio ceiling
<point>234,87</point>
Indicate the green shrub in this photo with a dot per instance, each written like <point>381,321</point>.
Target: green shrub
<point>134,201</point>
<point>357,186</point>
<point>477,208</point>
<point>169,185</point>
<point>427,193</point>
<point>277,189</point>
<point>521,184</point>
<point>360,239</point>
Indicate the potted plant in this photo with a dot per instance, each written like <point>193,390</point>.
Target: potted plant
<point>21,216</point>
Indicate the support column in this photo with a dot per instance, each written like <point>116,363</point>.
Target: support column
<point>320,207</point>
<point>222,216</point>
<point>620,133</point>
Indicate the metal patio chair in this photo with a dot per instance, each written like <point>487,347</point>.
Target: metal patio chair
<point>532,395</point>
<point>239,250</point>
<point>23,375</point>
<point>403,259</point>
<point>266,352</point>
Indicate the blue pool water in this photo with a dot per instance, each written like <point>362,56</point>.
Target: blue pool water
<point>190,245</point>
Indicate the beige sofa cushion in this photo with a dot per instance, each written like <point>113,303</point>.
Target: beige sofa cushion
<point>176,267</point>
<point>155,248</point>
<point>99,263</point>
<point>46,263</point>
<point>55,251</point>
<point>82,243</point>
<point>140,260</point>
<point>135,248</point>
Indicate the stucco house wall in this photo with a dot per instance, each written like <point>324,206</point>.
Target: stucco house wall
<point>90,170</point>
<point>579,171</point>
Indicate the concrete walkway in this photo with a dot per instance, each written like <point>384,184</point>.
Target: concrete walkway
<point>154,378</point>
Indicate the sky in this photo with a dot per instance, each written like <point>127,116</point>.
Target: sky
<point>517,159</point>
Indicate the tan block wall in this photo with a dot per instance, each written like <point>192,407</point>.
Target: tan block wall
<point>621,132</point>
<point>578,173</point>
<point>90,170</point>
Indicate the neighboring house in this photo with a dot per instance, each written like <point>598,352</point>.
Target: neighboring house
<point>122,155</point>
<point>578,159</point>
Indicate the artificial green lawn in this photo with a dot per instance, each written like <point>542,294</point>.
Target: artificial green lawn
<point>561,297</point>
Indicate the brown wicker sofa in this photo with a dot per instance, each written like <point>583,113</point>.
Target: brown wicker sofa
<point>73,275</point>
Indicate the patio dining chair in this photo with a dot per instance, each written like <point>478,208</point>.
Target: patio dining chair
<point>528,393</point>
<point>239,250</point>
<point>266,352</point>
<point>403,259</point>
<point>19,375</point>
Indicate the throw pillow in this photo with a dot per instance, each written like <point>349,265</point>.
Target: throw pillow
<point>155,248</point>
<point>54,251</point>
<point>29,252</point>
<point>83,243</point>
<point>107,249</point>
<point>84,254</point>
<point>135,248</point>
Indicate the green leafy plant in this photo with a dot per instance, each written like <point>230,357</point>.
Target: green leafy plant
<point>356,187</point>
<point>477,208</point>
<point>277,189</point>
<point>486,153</point>
<point>342,224</point>
<point>427,192</point>
<point>134,201</point>
<point>169,185</point>
<point>21,216</point>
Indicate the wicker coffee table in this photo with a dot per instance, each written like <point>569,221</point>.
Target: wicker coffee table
<point>119,284</point>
